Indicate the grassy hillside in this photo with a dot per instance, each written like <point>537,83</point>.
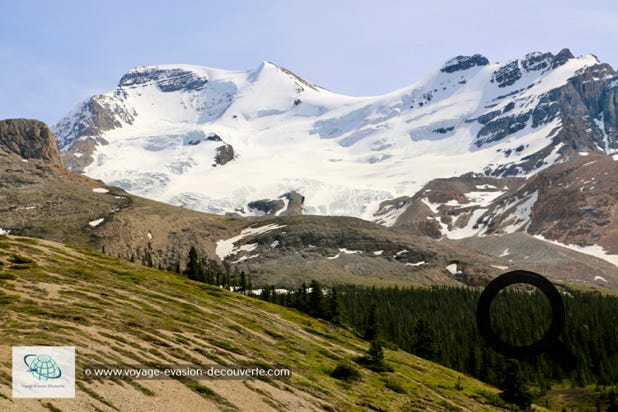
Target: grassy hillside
<point>115,312</point>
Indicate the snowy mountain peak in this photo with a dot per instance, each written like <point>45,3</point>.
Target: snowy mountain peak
<point>278,133</point>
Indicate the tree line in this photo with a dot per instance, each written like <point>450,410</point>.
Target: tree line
<point>439,324</point>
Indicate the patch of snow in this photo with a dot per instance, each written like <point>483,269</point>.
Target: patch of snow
<point>96,222</point>
<point>149,235</point>
<point>522,213</point>
<point>583,153</point>
<point>401,252</point>
<point>246,257</point>
<point>453,203</point>
<point>274,244</point>
<point>227,247</point>
<point>486,187</point>
<point>345,251</point>
<point>594,250</point>
<point>24,160</point>
<point>482,199</point>
<point>378,252</point>
<point>452,268</point>
<point>589,163</point>
<point>468,230</point>
<point>505,253</point>
<point>4,232</point>
<point>432,206</point>
<point>100,190</point>
<point>601,278</point>
<point>499,267</point>
<point>422,262</point>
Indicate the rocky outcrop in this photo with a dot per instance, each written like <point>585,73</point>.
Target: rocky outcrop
<point>266,206</point>
<point>224,154</point>
<point>272,207</point>
<point>295,204</point>
<point>460,63</point>
<point>167,80</point>
<point>585,105</point>
<point>31,139</point>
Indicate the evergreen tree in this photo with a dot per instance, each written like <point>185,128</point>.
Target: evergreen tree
<point>315,307</point>
<point>424,340</point>
<point>265,295</point>
<point>194,269</point>
<point>376,355</point>
<point>372,328</point>
<point>336,311</point>
<point>513,386</point>
<point>243,282</point>
<point>613,405</point>
<point>300,298</point>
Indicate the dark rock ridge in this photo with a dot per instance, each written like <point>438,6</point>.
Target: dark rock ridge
<point>464,63</point>
<point>31,139</point>
<point>167,80</point>
<point>272,207</point>
<point>585,105</point>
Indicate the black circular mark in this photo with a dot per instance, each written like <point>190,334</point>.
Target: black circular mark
<point>557,309</point>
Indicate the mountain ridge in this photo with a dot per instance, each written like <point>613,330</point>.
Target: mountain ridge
<point>510,119</point>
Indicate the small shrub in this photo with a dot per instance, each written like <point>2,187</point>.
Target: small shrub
<point>345,371</point>
<point>395,385</point>
<point>18,259</point>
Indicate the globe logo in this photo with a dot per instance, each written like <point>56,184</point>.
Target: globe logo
<point>42,367</point>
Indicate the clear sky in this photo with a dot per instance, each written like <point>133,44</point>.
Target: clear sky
<point>55,53</point>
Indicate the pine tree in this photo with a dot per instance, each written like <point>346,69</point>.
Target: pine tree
<point>315,307</point>
<point>194,266</point>
<point>424,340</point>
<point>372,328</point>
<point>243,282</point>
<point>376,354</point>
<point>249,284</point>
<point>336,311</point>
<point>513,386</point>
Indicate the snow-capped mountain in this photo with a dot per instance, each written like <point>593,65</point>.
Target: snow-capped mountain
<point>231,142</point>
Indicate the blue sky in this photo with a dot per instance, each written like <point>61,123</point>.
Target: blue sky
<point>53,54</point>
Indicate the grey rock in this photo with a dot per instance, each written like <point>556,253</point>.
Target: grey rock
<point>460,63</point>
<point>166,80</point>
<point>507,75</point>
<point>31,139</point>
<point>224,154</point>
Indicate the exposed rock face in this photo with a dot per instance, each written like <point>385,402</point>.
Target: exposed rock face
<point>585,105</point>
<point>272,207</point>
<point>295,204</point>
<point>224,155</point>
<point>267,207</point>
<point>165,79</point>
<point>464,63</point>
<point>31,139</point>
